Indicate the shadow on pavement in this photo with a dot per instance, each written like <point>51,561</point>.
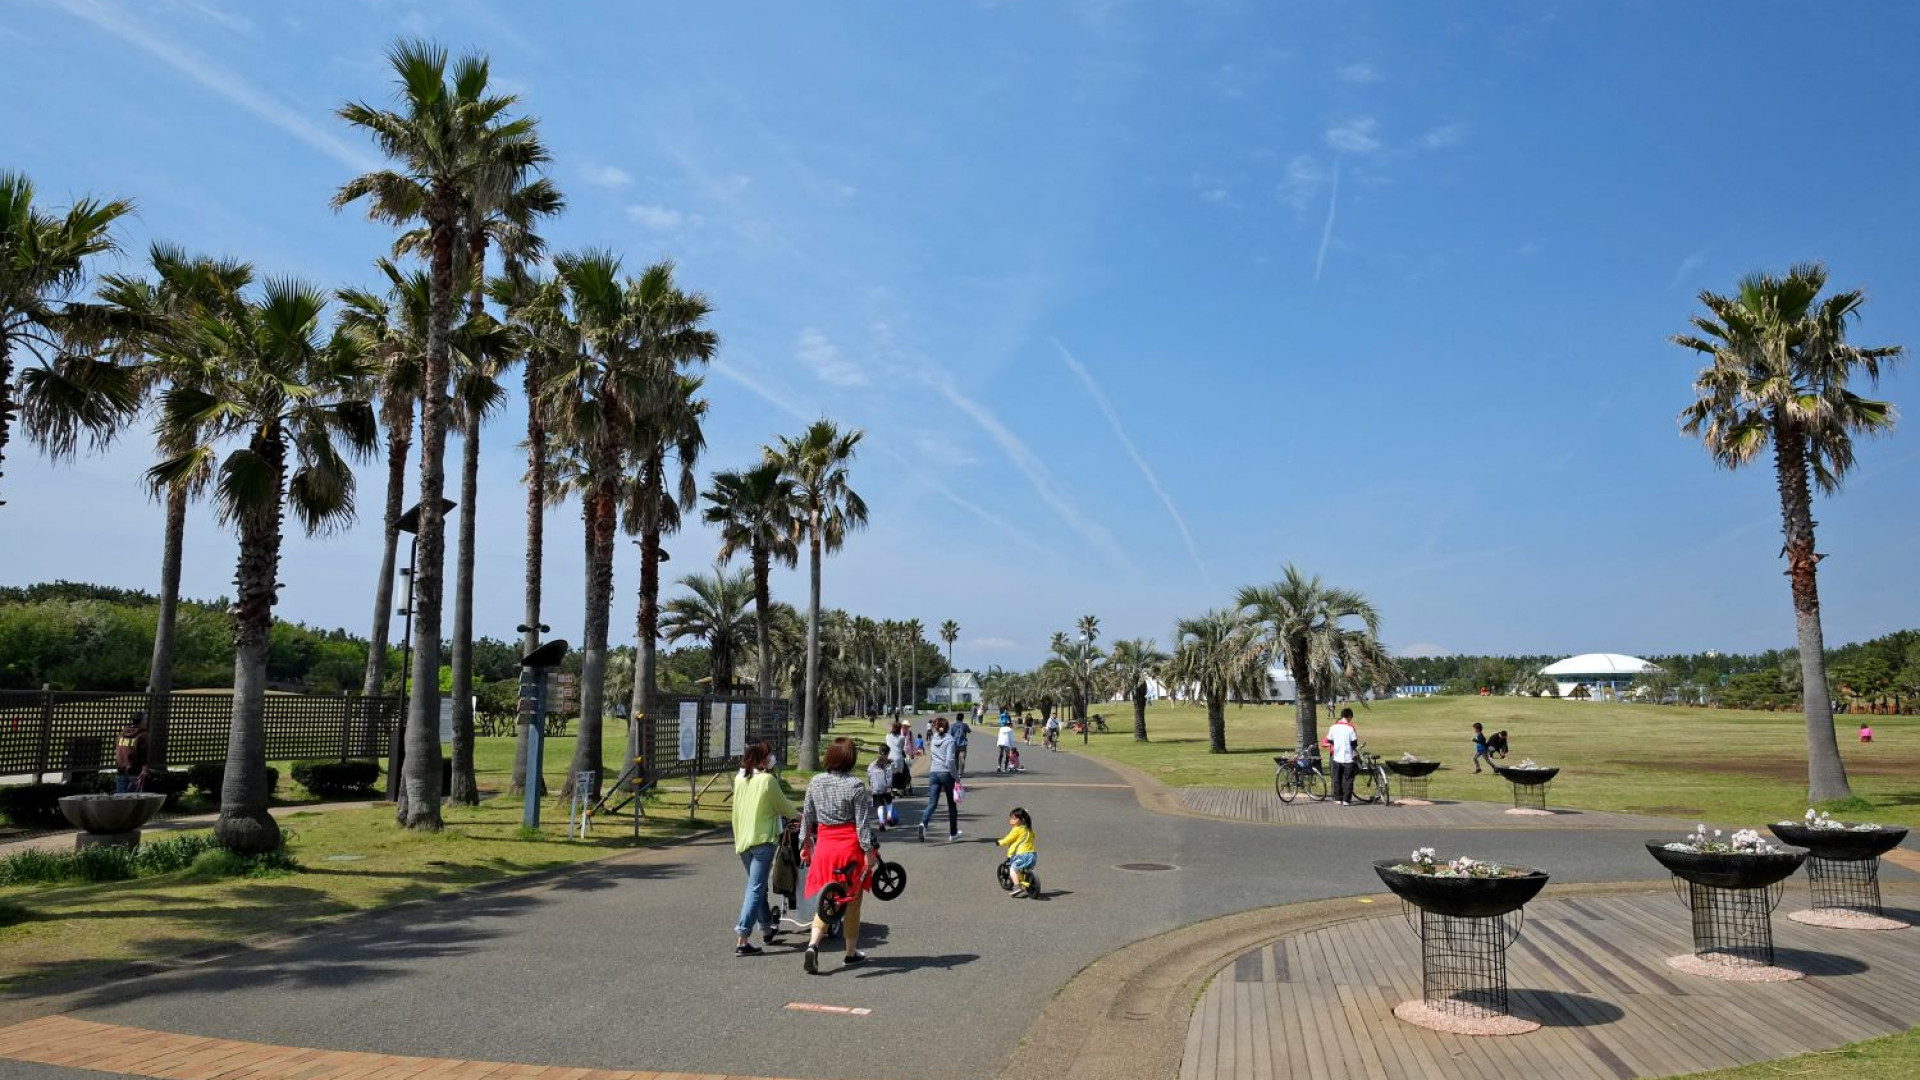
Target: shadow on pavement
<point>877,966</point>
<point>1553,1008</point>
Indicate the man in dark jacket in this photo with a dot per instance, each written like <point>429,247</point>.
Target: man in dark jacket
<point>130,755</point>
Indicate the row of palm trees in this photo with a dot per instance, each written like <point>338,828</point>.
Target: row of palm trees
<point>1327,637</point>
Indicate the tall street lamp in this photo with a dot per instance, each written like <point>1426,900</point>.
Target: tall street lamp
<point>409,523</point>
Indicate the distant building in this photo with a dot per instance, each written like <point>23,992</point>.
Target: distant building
<point>1597,675</point>
<point>956,688</point>
<point>1417,690</point>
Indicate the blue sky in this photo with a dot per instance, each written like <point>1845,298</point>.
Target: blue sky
<point>1136,302</point>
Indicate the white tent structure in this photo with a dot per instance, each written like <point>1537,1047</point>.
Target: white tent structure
<point>1600,674</point>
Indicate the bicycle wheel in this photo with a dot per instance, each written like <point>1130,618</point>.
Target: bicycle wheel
<point>1283,785</point>
<point>1366,787</point>
<point>1316,785</point>
<point>1005,874</point>
<point>1386,786</point>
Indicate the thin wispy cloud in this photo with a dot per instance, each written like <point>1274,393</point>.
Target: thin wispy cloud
<point>1694,261</point>
<point>1120,432</point>
<point>1038,475</point>
<point>1359,135</point>
<point>1443,136</point>
<point>944,451</point>
<point>1326,231</point>
<point>1358,73</point>
<point>606,175</point>
<point>826,361</point>
<point>211,76</point>
<point>661,218</point>
<point>1302,182</point>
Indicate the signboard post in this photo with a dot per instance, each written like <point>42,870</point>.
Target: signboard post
<point>534,668</point>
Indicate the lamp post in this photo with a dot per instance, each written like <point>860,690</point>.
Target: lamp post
<point>409,523</point>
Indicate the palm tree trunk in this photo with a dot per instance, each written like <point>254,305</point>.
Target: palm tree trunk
<point>419,803</point>
<point>1306,713</point>
<point>244,824</point>
<point>593,654</point>
<point>399,439</point>
<point>762,620</point>
<point>160,672</point>
<point>1140,712</point>
<point>536,539</point>
<point>465,790</point>
<point>810,712</point>
<point>1216,723</point>
<point>1826,775</point>
<point>647,621</point>
<point>7,406</point>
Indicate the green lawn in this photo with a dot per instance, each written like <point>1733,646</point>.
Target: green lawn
<point>1896,1057</point>
<point>351,860</point>
<point>1725,765</point>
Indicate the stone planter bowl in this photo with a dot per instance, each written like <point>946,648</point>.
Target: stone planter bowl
<point>1462,897</point>
<point>1413,769</point>
<point>1842,845</point>
<point>111,813</point>
<point>1727,871</point>
<point>1527,776</point>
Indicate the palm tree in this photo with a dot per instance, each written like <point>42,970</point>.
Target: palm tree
<point>1218,654</point>
<point>450,140</point>
<point>817,462</point>
<point>755,510</point>
<point>267,377</point>
<point>1131,665</point>
<point>1778,376</point>
<point>1300,621</point>
<point>916,633</point>
<point>161,315</point>
<point>949,633</point>
<point>668,439</point>
<point>392,335</point>
<point>43,258</point>
<point>715,611</point>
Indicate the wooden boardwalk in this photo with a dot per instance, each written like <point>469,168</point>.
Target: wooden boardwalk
<point>1591,970</point>
<point>1264,807</point>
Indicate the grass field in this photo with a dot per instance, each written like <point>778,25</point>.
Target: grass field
<point>1723,765</point>
<point>351,860</point>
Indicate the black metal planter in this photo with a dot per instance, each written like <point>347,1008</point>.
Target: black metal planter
<point>1731,897</point>
<point>1529,785</point>
<point>1466,926</point>
<point>1414,776</point>
<point>1843,865</point>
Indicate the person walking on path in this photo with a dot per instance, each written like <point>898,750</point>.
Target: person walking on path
<point>939,780</point>
<point>1020,851</point>
<point>130,756</point>
<point>961,732</point>
<point>1005,744</point>
<point>837,844</point>
<point>1343,740</point>
<point>758,805</point>
<point>1480,750</point>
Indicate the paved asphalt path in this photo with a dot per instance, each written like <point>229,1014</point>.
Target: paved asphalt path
<point>631,966</point>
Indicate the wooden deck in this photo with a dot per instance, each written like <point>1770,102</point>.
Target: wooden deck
<point>1592,971</point>
<point>1264,807</point>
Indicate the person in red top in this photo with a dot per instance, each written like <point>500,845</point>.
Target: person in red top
<point>1343,740</point>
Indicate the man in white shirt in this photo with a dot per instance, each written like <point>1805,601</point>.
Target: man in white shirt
<point>1342,740</point>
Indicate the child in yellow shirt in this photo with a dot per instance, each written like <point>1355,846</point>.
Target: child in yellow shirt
<point>1019,845</point>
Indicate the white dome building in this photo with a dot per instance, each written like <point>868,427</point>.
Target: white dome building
<point>1597,674</point>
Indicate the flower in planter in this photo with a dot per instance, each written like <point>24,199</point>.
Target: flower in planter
<point>1820,819</point>
<point>1424,862</point>
<point>1743,842</point>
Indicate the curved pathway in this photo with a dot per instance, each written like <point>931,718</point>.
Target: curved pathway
<point>626,965</point>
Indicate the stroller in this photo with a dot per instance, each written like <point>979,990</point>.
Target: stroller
<point>1013,760</point>
<point>888,881</point>
<point>1497,744</point>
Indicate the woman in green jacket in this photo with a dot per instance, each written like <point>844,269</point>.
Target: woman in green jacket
<point>758,805</point>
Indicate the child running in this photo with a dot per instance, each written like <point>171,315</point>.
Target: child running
<point>1019,845</point>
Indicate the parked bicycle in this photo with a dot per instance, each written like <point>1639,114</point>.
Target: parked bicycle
<point>1296,774</point>
<point>1370,783</point>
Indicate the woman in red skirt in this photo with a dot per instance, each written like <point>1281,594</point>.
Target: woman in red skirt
<point>837,844</point>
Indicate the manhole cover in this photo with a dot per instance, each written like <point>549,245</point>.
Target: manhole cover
<point>1147,866</point>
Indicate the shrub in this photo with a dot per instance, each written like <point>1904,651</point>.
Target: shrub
<point>173,853</point>
<point>218,863</point>
<point>208,776</point>
<point>36,806</point>
<point>33,867</point>
<point>104,862</point>
<point>195,853</point>
<point>333,779</point>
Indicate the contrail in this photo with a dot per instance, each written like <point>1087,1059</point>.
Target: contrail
<point>1326,233</point>
<point>1120,432</point>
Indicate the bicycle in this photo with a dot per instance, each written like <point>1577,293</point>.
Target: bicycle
<point>1370,784</point>
<point>1299,773</point>
<point>1005,875</point>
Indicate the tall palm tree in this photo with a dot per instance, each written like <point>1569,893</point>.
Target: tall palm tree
<point>392,335</point>
<point>269,377</point>
<point>43,257</point>
<point>1300,621</point>
<point>160,315</point>
<point>817,461</point>
<point>1778,376</point>
<point>714,611</point>
<point>1132,664</point>
<point>1219,655</point>
<point>449,139</point>
<point>916,633</point>
<point>949,633</point>
<point>755,510</point>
